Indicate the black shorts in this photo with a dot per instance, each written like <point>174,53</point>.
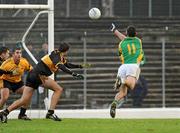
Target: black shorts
<point>33,80</point>
<point>13,86</point>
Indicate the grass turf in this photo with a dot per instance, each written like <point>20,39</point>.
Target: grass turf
<point>92,126</point>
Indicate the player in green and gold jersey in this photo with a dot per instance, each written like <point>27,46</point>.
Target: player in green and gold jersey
<point>131,55</point>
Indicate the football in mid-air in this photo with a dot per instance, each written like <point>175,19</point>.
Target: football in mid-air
<point>94,13</point>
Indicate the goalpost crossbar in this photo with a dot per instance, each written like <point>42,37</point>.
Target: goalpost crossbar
<point>23,6</point>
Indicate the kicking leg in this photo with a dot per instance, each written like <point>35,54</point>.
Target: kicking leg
<point>50,83</point>
<point>119,100</point>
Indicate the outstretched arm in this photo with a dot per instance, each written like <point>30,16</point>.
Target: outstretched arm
<point>66,70</point>
<point>116,32</point>
<point>119,34</point>
<point>84,65</point>
<point>70,65</point>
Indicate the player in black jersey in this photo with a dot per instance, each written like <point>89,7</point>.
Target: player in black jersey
<point>39,76</point>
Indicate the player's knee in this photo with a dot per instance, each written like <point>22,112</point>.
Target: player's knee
<point>131,86</point>
<point>131,82</point>
<point>59,90</point>
<point>4,98</point>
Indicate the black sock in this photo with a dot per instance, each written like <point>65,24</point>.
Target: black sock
<point>22,111</point>
<point>50,111</point>
<point>6,111</point>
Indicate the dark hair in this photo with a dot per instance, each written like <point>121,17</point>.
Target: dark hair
<point>3,49</point>
<point>131,31</point>
<point>18,46</point>
<point>63,47</point>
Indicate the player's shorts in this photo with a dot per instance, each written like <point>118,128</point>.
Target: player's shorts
<point>13,86</point>
<point>126,70</point>
<point>33,79</point>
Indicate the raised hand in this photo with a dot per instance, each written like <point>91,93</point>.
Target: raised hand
<point>113,27</point>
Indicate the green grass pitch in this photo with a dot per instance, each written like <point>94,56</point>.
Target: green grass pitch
<point>92,126</point>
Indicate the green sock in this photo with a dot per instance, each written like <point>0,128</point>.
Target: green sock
<point>119,103</point>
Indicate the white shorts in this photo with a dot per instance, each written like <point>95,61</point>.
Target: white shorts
<point>128,70</point>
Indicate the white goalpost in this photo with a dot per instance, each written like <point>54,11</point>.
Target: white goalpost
<point>82,113</point>
<point>48,8</point>
<point>23,6</point>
